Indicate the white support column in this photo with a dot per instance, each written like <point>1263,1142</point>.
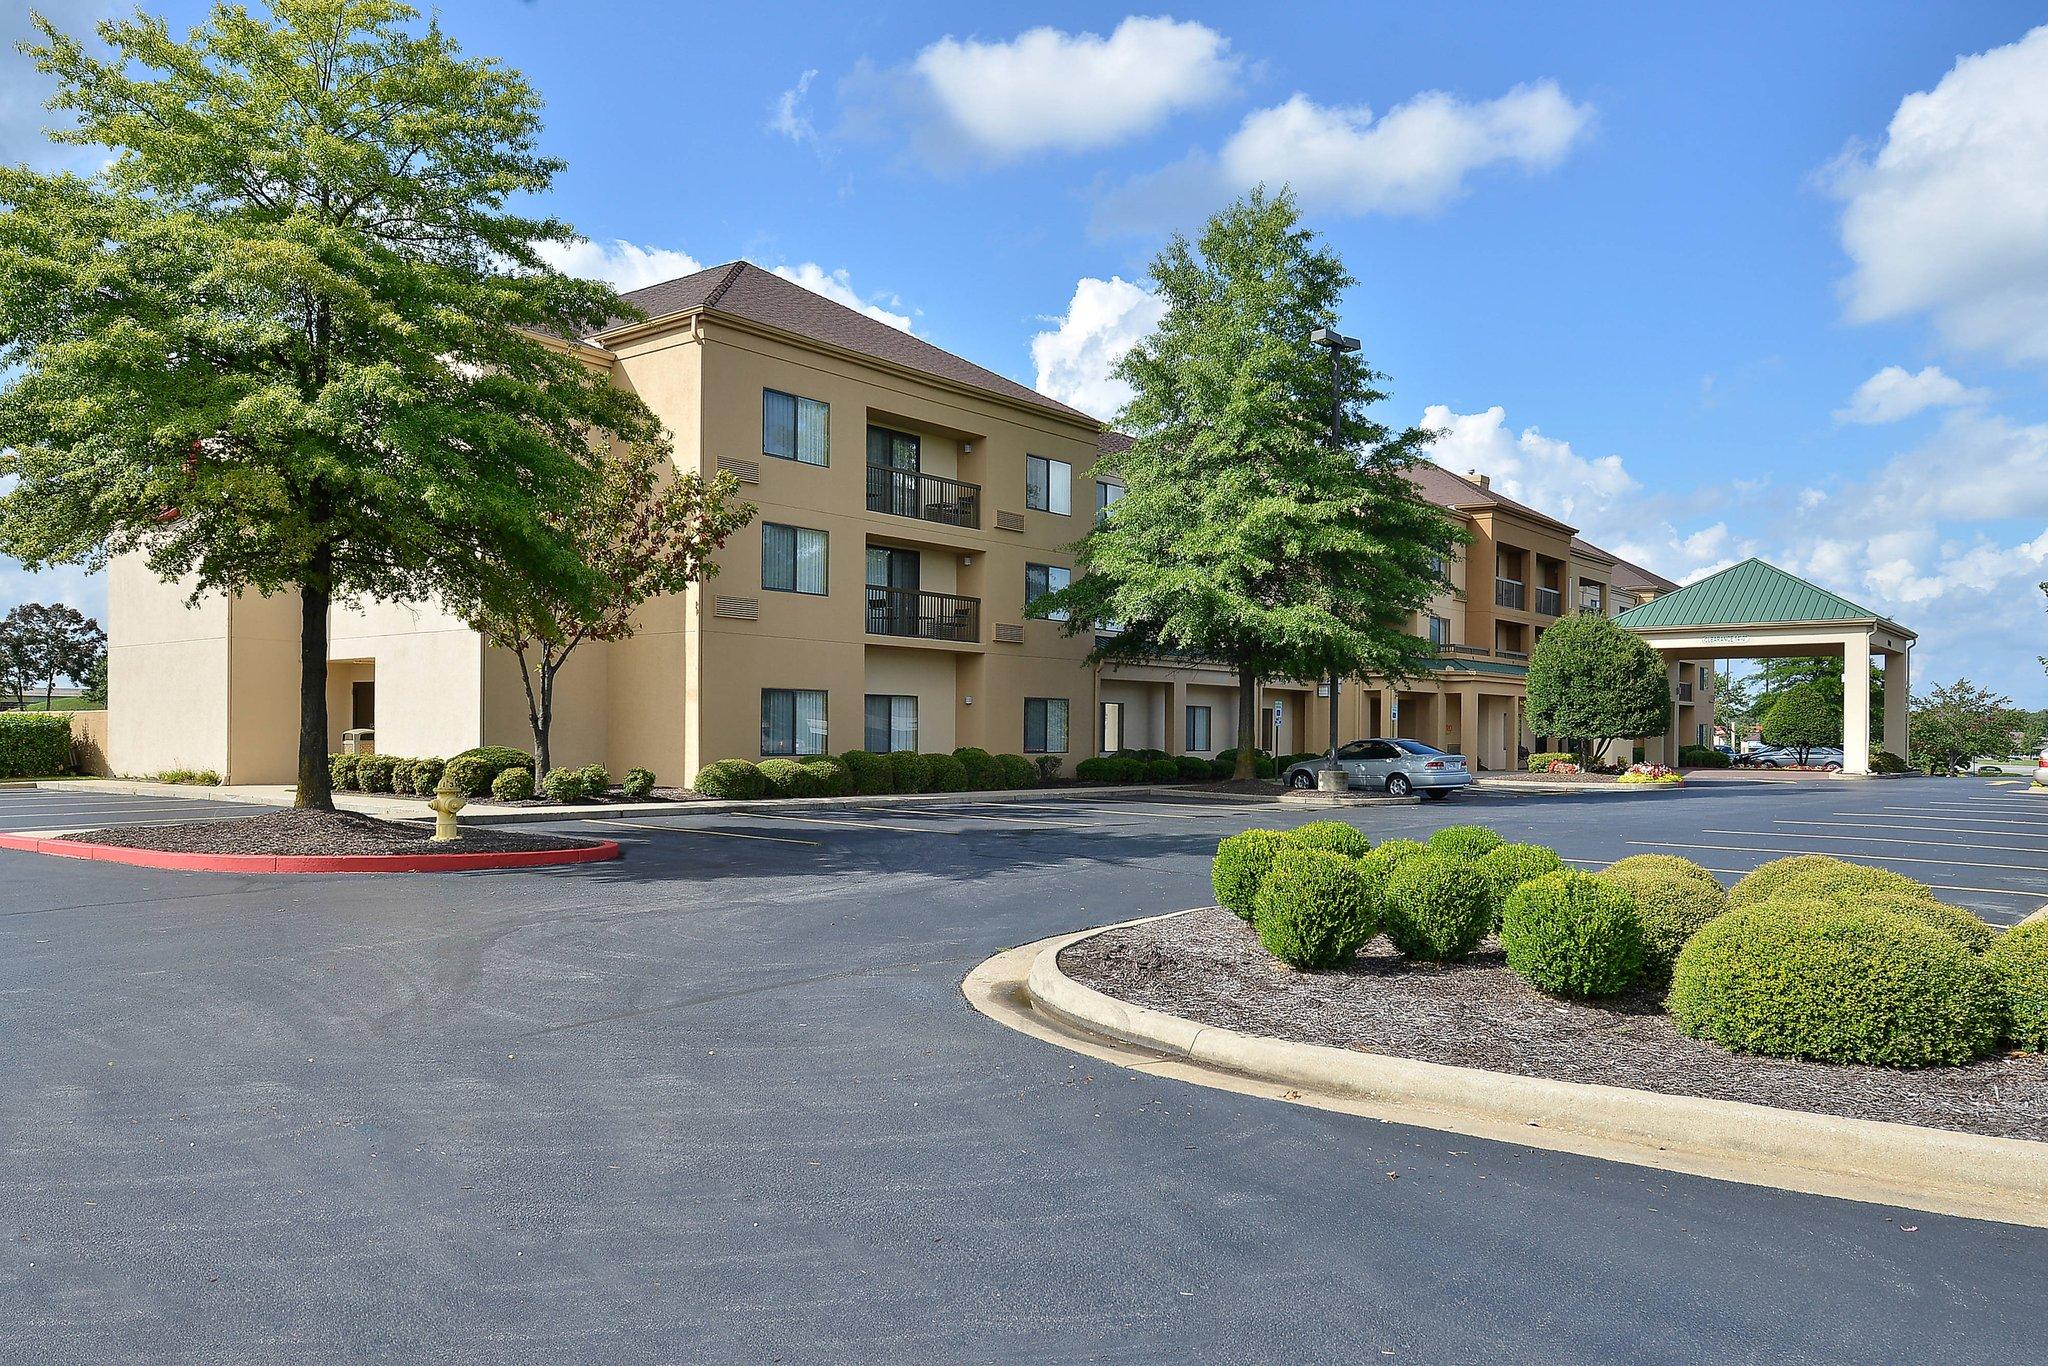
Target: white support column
<point>1856,703</point>
<point>1672,739</point>
<point>1898,703</point>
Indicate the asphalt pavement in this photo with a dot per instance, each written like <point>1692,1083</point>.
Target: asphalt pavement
<point>722,1101</point>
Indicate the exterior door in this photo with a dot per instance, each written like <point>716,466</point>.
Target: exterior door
<point>362,705</point>
<point>892,591</point>
<point>1375,764</point>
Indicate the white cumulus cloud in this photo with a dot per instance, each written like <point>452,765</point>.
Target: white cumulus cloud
<point>1894,393</point>
<point>1948,217</point>
<point>837,286</point>
<point>1075,358</point>
<point>789,117</point>
<point>1049,90</point>
<point>622,265</point>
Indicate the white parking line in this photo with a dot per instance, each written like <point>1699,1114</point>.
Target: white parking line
<point>1873,858</point>
<point>1977,806</point>
<point>1879,839</point>
<point>698,830</point>
<point>1093,809</point>
<point>1955,819</point>
<point>856,825</point>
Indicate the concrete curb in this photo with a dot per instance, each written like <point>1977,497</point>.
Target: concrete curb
<point>600,852</point>
<point>2000,1179</point>
<point>371,804</point>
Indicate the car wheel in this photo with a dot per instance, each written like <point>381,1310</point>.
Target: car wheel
<point>1438,794</point>
<point>1398,786</point>
<point>1301,780</point>
<point>1831,767</point>
<point>1767,763</point>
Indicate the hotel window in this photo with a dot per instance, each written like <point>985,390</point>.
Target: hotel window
<point>794,428</point>
<point>1438,567</point>
<point>792,722</point>
<point>891,724</point>
<point>1045,725</point>
<point>1112,727</point>
<point>1048,485</point>
<point>1040,579</point>
<point>894,450</point>
<point>1198,729</point>
<point>1106,494</point>
<point>1439,631</point>
<point>792,559</point>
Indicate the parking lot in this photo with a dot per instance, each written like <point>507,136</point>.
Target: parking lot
<point>722,1100</point>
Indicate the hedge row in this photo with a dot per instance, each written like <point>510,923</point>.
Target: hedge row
<point>34,744</point>
<point>858,773</point>
<point>1808,957</point>
<point>498,771</point>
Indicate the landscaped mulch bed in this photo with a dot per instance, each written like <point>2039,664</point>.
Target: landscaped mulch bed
<point>1208,967</point>
<point>319,834</point>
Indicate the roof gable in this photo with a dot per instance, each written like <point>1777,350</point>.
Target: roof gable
<point>1751,593</point>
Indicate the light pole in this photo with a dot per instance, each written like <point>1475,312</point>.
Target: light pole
<point>1339,346</point>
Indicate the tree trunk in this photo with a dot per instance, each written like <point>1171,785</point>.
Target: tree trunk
<point>315,790</point>
<point>1247,725</point>
<point>543,744</point>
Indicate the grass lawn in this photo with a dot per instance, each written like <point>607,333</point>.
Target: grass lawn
<point>58,704</point>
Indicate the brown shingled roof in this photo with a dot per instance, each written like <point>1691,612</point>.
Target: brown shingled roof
<point>1630,578</point>
<point>744,290</point>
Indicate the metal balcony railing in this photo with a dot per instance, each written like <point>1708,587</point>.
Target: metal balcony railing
<point>1685,692</point>
<point>927,497</point>
<point>1590,602</point>
<point>1548,602</point>
<point>923,616</point>
<point>1510,593</point>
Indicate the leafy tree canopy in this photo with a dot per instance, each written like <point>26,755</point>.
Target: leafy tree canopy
<point>1801,717</point>
<point>1592,681</point>
<point>294,337</point>
<point>43,642</point>
<point>1960,721</point>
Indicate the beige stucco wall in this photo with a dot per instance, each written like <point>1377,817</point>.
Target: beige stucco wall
<point>928,675</point>
<point>167,673</point>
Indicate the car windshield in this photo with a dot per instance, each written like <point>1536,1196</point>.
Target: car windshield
<point>1416,747</point>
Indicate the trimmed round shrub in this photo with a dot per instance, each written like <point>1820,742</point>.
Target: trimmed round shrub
<point>1389,855</point>
<point>1464,841</point>
<point>341,771</point>
<point>1339,837</point>
<point>787,778</point>
<point>833,778</point>
<point>1805,979</point>
<point>1262,766</point>
<point>944,773</point>
<point>1435,907</point>
<point>730,780</point>
<point>373,772</point>
<point>984,774</point>
<point>1507,866</point>
<point>1965,927</point>
<point>1670,908</point>
<point>513,785</point>
<point>401,776</point>
<point>1190,769</point>
<point>1541,761</point>
<point>1158,770</point>
<point>1817,877</point>
<point>564,785</point>
<point>1670,864</point>
<point>1017,771</point>
<point>870,772</point>
<point>638,784</point>
<point>426,776</point>
<point>2018,963</point>
<point>475,768</point>
<point>597,780</point>
<point>1884,761</point>
<point>1314,909</point>
<point>906,771</point>
<point>1220,769</point>
<point>1571,934</point>
<point>1094,770</point>
<point>1241,864</point>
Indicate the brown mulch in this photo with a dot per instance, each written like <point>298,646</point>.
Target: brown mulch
<point>1208,966</point>
<point>318,834</point>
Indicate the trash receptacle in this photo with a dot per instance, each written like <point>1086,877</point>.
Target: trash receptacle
<point>359,741</point>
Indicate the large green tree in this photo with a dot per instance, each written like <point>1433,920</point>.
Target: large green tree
<point>293,337</point>
<point>1591,683</point>
<point>1251,532</point>
<point>48,641</point>
<point>1960,721</point>
<point>1823,674</point>
<point>1802,716</point>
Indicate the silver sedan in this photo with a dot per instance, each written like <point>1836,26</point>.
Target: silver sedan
<point>1396,767</point>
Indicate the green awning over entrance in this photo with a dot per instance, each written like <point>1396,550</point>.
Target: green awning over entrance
<point>1748,594</point>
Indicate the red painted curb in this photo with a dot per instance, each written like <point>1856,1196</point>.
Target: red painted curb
<point>600,852</point>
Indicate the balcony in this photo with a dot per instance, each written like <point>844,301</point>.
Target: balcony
<point>1510,593</point>
<point>1685,692</point>
<point>926,497</point>
<point>1591,602</point>
<point>1549,602</point>
<point>1521,656</point>
<point>923,616</point>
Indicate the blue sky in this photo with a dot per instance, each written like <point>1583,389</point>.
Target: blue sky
<point>1707,284</point>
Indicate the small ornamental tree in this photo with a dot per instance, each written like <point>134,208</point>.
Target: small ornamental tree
<point>642,536</point>
<point>1803,716</point>
<point>296,335</point>
<point>1592,683</point>
<point>1960,721</point>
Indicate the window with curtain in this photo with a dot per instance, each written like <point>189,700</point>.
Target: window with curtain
<point>1045,725</point>
<point>1040,579</point>
<point>1198,729</point>
<point>794,428</point>
<point>891,724</point>
<point>1439,630</point>
<point>896,450</point>
<point>1048,484</point>
<point>792,722</point>
<point>792,559</point>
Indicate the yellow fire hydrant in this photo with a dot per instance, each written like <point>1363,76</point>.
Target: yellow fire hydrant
<point>448,800</point>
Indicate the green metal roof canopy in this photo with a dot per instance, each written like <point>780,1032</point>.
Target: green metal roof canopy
<point>1751,593</point>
